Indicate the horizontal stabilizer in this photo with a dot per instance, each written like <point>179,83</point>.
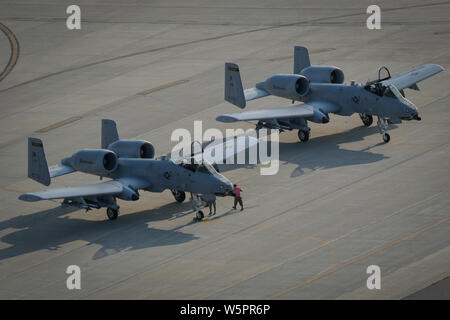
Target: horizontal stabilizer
<point>59,170</point>
<point>254,93</point>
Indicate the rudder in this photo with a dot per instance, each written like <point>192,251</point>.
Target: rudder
<point>234,93</point>
<point>301,59</point>
<point>109,132</point>
<point>37,164</point>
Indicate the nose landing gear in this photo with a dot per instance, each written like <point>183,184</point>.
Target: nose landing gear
<point>383,127</point>
<point>197,205</point>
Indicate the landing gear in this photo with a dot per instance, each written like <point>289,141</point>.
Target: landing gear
<point>197,205</point>
<point>303,135</point>
<point>112,213</point>
<point>199,215</point>
<point>383,127</point>
<point>367,119</point>
<point>180,196</point>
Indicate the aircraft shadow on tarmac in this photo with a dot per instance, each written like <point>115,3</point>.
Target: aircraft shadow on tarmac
<point>323,152</point>
<point>50,229</point>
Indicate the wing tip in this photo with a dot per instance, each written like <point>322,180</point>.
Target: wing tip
<point>226,118</point>
<point>29,197</point>
<point>438,66</point>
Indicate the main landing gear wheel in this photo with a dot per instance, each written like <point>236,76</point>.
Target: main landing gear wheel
<point>112,213</point>
<point>180,196</point>
<point>386,137</point>
<point>199,215</point>
<point>366,119</point>
<point>303,135</point>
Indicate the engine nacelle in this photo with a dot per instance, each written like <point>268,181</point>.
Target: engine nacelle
<point>133,149</point>
<point>94,161</point>
<point>291,86</point>
<point>323,74</point>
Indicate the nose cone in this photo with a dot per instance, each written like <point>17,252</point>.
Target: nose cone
<point>410,111</point>
<point>224,186</point>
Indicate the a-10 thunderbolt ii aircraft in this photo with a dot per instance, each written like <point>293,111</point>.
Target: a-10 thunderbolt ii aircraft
<point>322,91</point>
<point>132,167</point>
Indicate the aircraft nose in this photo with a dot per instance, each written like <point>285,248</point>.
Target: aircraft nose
<point>411,111</point>
<point>414,112</point>
<point>226,186</point>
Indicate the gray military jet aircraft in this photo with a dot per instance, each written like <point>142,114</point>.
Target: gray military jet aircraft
<point>132,167</point>
<point>322,91</point>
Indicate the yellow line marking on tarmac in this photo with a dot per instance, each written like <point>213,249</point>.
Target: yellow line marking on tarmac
<point>370,253</point>
<point>14,50</point>
<point>58,124</point>
<point>161,87</point>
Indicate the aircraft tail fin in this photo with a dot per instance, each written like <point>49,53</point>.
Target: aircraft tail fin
<point>109,132</point>
<point>234,93</point>
<point>301,59</point>
<point>37,163</point>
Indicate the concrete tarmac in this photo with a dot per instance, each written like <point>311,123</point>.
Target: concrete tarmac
<point>339,203</point>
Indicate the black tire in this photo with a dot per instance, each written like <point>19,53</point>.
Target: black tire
<point>112,213</point>
<point>179,196</point>
<point>367,119</point>
<point>303,135</point>
<point>386,137</point>
<point>199,214</point>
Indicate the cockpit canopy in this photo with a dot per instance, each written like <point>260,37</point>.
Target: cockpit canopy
<point>380,75</point>
<point>203,167</point>
<point>392,92</point>
<point>374,84</point>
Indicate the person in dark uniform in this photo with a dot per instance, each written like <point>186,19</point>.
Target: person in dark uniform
<point>237,197</point>
<point>211,201</point>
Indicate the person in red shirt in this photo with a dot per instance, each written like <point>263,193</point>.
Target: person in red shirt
<point>237,197</point>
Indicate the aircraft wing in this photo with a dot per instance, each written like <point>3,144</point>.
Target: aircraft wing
<point>227,149</point>
<point>219,150</point>
<point>100,189</point>
<point>409,78</point>
<point>301,111</point>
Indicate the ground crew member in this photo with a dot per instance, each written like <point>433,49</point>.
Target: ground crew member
<point>237,197</point>
<point>211,201</point>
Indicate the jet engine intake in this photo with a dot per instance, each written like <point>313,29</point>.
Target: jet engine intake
<point>291,86</point>
<point>133,149</point>
<point>94,161</point>
<point>324,74</point>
